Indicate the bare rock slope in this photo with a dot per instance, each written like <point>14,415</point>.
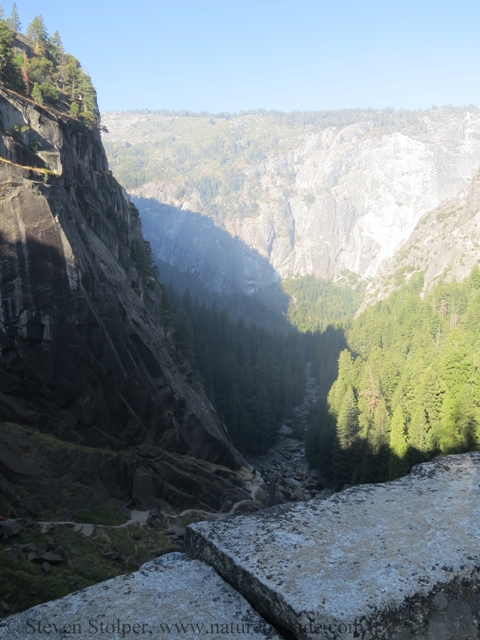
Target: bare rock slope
<point>444,246</point>
<point>83,360</point>
<point>312,201</point>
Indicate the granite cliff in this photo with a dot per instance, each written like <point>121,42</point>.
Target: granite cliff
<point>94,402</point>
<point>289,199</point>
<point>444,246</point>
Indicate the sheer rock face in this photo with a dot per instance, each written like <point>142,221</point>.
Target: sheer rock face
<point>393,561</point>
<point>343,198</point>
<point>444,246</point>
<point>81,354</point>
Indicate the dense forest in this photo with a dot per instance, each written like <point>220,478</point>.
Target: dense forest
<point>315,304</point>
<point>397,386</point>
<point>408,385</point>
<point>253,376</point>
<point>38,67</point>
<point>250,352</point>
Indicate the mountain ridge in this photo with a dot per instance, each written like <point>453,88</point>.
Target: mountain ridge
<point>309,201</point>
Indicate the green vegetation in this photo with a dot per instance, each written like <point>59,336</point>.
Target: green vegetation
<point>225,165</point>
<point>407,388</point>
<point>106,554</point>
<point>10,73</point>
<point>13,22</point>
<point>254,377</point>
<point>197,159</point>
<point>314,304</point>
<point>47,74</point>
<point>104,514</point>
<point>142,256</point>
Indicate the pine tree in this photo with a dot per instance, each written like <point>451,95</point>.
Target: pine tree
<point>37,32</point>
<point>398,463</point>
<point>74,109</point>
<point>14,20</point>
<point>56,41</point>
<point>455,363</point>
<point>9,73</point>
<point>346,431</point>
<point>381,424</point>
<point>37,93</point>
<point>347,423</point>
<point>420,438</point>
<point>475,278</point>
<point>459,426</point>
<point>88,97</point>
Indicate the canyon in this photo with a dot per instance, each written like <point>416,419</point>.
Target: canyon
<point>311,198</point>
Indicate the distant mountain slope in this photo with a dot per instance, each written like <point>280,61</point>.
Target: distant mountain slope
<point>445,246</point>
<point>321,193</point>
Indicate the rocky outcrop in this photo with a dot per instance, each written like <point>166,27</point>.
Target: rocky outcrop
<point>172,597</point>
<point>393,561</point>
<point>343,198</point>
<point>82,356</point>
<point>396,561</point>
<point>444,246</point>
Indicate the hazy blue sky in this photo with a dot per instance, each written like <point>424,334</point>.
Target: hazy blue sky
<point>228,55</point>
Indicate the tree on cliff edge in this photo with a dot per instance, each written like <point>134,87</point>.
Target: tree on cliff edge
<point>9,72</point>
<point>13,21</point>
<point>37,32</point>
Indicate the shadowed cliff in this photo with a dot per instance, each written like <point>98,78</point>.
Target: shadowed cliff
<point>193,244</point>
<point>82,356</point>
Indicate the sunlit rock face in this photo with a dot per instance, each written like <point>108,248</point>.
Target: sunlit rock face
<point>342,198</point>
<point>393,561</point>
<point>444,246</point>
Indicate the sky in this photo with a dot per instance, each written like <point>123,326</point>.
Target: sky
<point>302,55</point>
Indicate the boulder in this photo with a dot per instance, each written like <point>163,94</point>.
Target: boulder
<point>175,530</point>
<point>171,597</point>
<point>10,528</point>
<point>398,561</point>
<point>51,558</point>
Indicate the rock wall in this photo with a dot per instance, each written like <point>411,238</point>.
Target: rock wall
<point>345,198</point>
<point>444,245</point>
<point>82,356</point>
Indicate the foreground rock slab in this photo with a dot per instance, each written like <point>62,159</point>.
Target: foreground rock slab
<point>399,560</point>
<point>172,597</point>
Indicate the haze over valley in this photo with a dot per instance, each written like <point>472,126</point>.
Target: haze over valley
<point>323,194</point>
<point>240,350</point>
